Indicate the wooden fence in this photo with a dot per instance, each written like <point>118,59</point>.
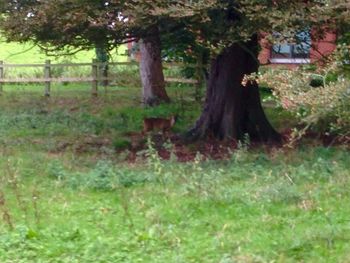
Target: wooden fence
<point>94,78</point>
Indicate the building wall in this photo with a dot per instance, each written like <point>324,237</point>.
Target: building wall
<point>265,52</point>
<point>320,49</point>
<point>323,48</point>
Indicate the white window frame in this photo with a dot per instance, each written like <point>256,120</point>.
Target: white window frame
<point>290,60</point>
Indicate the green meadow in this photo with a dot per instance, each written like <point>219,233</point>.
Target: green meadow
<point>69,191</point>
<point>22,53</point>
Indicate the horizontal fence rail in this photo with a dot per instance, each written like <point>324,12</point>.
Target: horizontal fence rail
<point>94,78</point>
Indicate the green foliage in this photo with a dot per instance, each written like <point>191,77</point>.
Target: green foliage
<point>56,170</point>
<point>319,99</point>
<point>317,81</point>
<point>203,25</point>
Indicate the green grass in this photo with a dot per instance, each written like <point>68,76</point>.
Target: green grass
<point>26,53</point>
<point>252,208</point>
<point>68,195</point>
<point>71,113</point>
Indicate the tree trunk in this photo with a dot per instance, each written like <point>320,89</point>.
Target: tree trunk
<point>151,70</point>
<point>102,57</point>
<point>232,110</point>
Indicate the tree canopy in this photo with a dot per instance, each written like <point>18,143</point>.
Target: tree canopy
<point>215,23</point>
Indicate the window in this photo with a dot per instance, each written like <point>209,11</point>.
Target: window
<point>298,52</point>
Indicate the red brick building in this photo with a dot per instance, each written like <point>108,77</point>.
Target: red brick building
<point>290,56</point>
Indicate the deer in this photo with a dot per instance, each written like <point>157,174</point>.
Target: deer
<point>158,124</point>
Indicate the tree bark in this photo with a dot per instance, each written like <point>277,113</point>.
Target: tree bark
<point>232,110</point>
<point>102,56</point>
<point>151,70</point>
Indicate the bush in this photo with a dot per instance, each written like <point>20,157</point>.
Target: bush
<point>325,109</point>
<point>316,82</point>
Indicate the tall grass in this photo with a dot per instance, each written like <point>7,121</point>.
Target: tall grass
<point>255,207</point>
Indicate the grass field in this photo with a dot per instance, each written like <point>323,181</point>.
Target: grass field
<point>25,53</point>
<point>68,195</point>
<point>68,192</point>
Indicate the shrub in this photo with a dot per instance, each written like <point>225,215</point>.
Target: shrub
<point>325,109</point>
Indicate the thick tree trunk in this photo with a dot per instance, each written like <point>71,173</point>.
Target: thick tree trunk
<point>232,110</point>
<point>151,70</point>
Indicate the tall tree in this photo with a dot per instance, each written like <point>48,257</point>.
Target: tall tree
<point>229,29</point>
<point>153,26</point>
<point>151,69</point>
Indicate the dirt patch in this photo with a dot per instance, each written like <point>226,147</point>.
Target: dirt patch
<point>184,151</point>
<point>209,148</point>
<point>315,138</point>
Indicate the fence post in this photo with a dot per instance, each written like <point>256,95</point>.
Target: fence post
<point>94,72</point>
<point>1,75</point>
<point>47,75</point>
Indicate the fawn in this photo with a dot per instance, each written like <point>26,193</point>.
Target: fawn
<point>159,124</point>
